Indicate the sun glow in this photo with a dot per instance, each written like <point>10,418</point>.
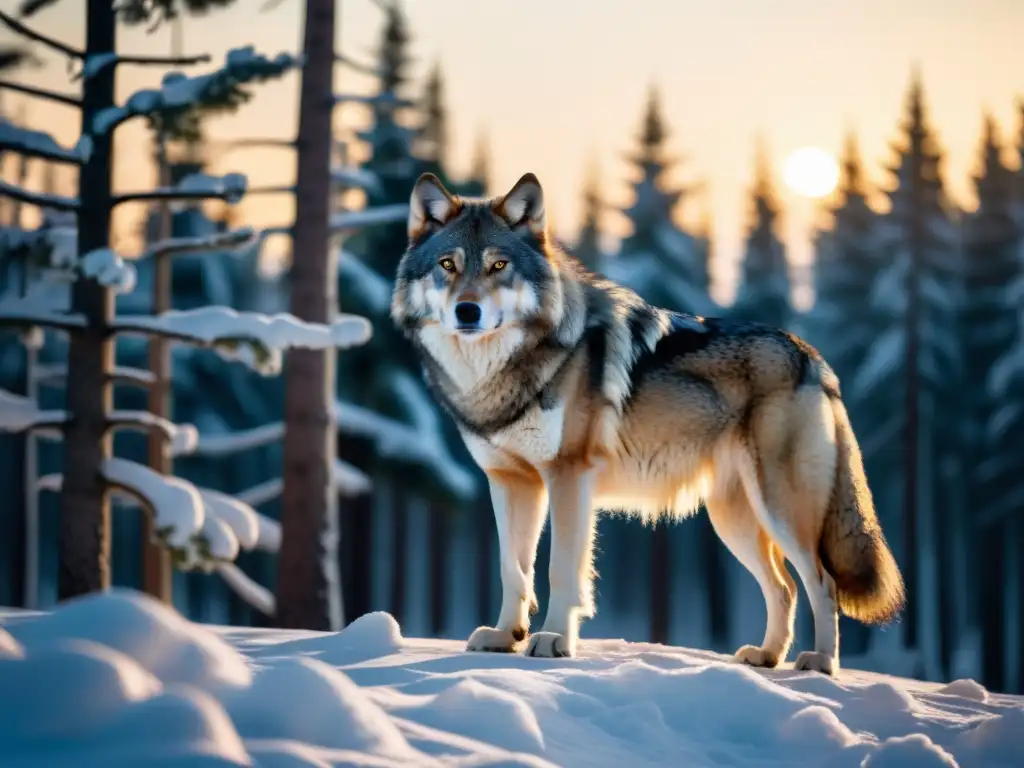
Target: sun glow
<point>811,172</point>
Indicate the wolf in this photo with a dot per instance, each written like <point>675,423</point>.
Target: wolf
<point>573,395</point>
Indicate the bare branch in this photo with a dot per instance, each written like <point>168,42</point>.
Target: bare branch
<point>197,186</point>
<point>358,66</point>
<point>16,26</point>
<point>283,229</point>
<point>260,143</point>
<point>43,93</point>
<point>56,202</point>
<point>281,190</point>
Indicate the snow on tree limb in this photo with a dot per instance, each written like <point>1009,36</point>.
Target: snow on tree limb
<point>249,337</point>
<point>401,442</point>
<point>17,27</point>
<point>108,269</point>
<point>20,414</point>
<point>256,595</point>
<point>883,358</point>
<point>42,93</point>
<point>181,438</point>
<point>230,188</point>
<point>177,246</point>
<point>350,480</point>
<point>42,145</point>
<point>43,200</point>
<point>177,91</point>
<point>55,375</point>
<point>96,64</point>
<point>263,493</point>
<point>345,221</point>
<point>38,310</point>
<point>354,177</point>
<point>243,440</point>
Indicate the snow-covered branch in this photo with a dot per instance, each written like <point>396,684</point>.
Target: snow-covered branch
<point>374,289</point>
<point>56,374</point>
<point>96,64</point>
<point>346,221</point>
<point>243,440</point>
<point>181,438</point>
<point>43,93</point>
<point>43,200</point>
<point>249,337</point>
<point>196,186</point>
<point>177,246</point>
<point>179,92</point>
<point>20,414</point>
<point>356,178</point>
<point>17,27</point>
<point>256,595</point>
<point>37,311</point>
<point>108,269</point>
<point>40,144</point>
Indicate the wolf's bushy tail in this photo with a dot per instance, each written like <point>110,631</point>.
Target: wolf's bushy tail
<point>853,549</point>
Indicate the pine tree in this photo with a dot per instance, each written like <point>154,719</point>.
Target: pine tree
<point>659,260</point>
<point>764,288</point>
<point>588,244</point>
<point>431,146</point>
<point>916,294</point>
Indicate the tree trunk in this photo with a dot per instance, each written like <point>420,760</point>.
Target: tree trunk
<point>84,507</point>
<point>156,560</point>
<point>660,587</point>
<point>308,588</point>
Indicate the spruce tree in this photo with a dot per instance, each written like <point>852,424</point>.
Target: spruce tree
<point>659,260</point>
<point>764,288</point>
<point>431,145</point>
<point>915,362</point>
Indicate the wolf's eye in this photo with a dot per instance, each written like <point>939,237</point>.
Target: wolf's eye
<point>447,265</point>
<point>498,266</point>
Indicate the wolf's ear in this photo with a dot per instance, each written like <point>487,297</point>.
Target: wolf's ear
<point>523,206</point>
<point>430,205</point>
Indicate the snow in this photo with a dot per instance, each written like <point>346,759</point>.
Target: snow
<point>182,438</point>
<point>116,679</point>
<point>229,187</point>
<point>256,595</point>
<point>356,178</point>
<point>19,413</point>
<point>108,269</point>
<point>252,338</point>
<point>40,144</point>
<point>374,289</point>
<point>46,304</point>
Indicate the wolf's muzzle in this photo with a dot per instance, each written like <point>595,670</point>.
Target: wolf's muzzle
<point>467,315</point>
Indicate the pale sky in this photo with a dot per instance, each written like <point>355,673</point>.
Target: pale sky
<point>554,83</point>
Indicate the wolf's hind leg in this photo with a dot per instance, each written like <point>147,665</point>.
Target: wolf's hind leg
<point>519,502</point>
<point>821,589</point>
<point>571,569</point>
<point>735,524</point>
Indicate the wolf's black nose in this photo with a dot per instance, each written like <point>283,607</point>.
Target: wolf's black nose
<point>467,313</point>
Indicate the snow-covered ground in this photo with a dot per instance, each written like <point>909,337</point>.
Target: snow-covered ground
<point>118,680</point>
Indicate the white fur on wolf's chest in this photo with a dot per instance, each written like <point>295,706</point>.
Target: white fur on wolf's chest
<point>536,438</point>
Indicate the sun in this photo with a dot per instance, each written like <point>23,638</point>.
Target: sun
<point>811,172</point>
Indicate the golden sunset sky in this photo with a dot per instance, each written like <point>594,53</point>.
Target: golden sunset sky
<point>556,83</point>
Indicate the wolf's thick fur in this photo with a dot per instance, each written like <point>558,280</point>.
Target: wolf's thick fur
<point>573,393</point>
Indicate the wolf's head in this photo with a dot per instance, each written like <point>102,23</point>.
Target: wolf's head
<point>476,268</point>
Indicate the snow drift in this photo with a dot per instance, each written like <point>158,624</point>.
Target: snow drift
<point>119,680</point>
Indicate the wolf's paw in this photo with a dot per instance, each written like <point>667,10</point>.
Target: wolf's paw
<point>550,645</point>
<point>812,661</point>
<point>491,640</point>
<point>756,656</point>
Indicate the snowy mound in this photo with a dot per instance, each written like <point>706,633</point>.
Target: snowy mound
<point>118,680</point>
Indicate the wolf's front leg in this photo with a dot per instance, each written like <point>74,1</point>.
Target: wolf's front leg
<point>571,570</point>
<point>519,502</point>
